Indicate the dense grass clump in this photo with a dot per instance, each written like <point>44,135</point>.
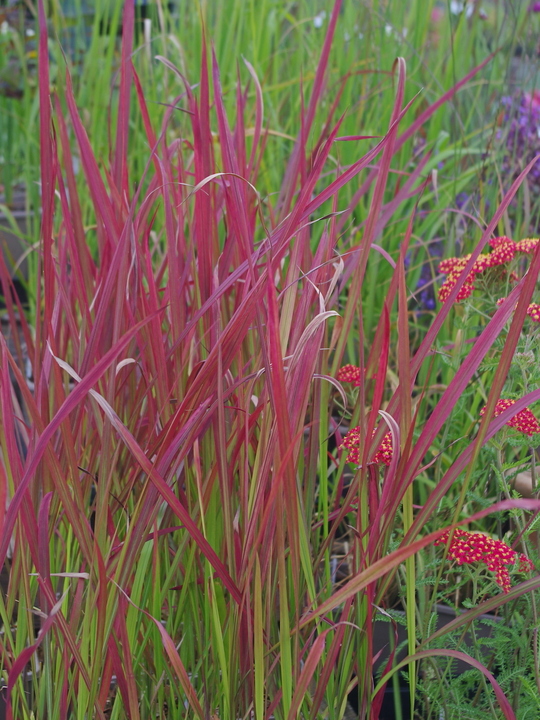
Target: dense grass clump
<point>235,435</point>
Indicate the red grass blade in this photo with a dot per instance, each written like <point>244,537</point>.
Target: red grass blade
<point>292,173</point>
<point>122,127</point>
<point>48,161</point>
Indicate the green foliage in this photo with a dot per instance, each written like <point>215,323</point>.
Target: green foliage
<point>503,644</point>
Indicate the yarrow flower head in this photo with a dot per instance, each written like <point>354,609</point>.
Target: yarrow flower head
<point>351,442</point>
<point>483,262</point>
<point>350,373</point>
<point>533,311</point>
<point>448,285</point>
<point>504,250</point>
<point>384,453</point>
<point>527,245</point>
<point>467,547</point>
<point>497,242</point>
<point>524,420</point>
<point>453,264</point>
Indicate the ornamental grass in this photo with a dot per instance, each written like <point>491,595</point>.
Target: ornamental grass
<point>174,420</point>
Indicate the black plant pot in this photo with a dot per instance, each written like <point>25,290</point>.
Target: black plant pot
<point>388,708</point>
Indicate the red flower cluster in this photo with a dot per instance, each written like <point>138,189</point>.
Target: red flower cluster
<point>467,547</point>
<point>351,442</point>
<point>527,245</point>
<point>524,421</point>
<point>448,285</point>
<point>384,453</point>
<point>533,311</point>
<point>350,373</point>
<point>504,250</point>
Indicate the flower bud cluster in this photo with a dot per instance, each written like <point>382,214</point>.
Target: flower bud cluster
<point>350,373</point>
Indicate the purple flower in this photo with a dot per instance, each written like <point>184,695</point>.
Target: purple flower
<point>521,132</point>
<point>425,291</point>
<point>461,200</point>
<point>534,7</point>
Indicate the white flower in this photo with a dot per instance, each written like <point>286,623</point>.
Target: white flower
<point>458,6</point>
<point>319,19</point>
